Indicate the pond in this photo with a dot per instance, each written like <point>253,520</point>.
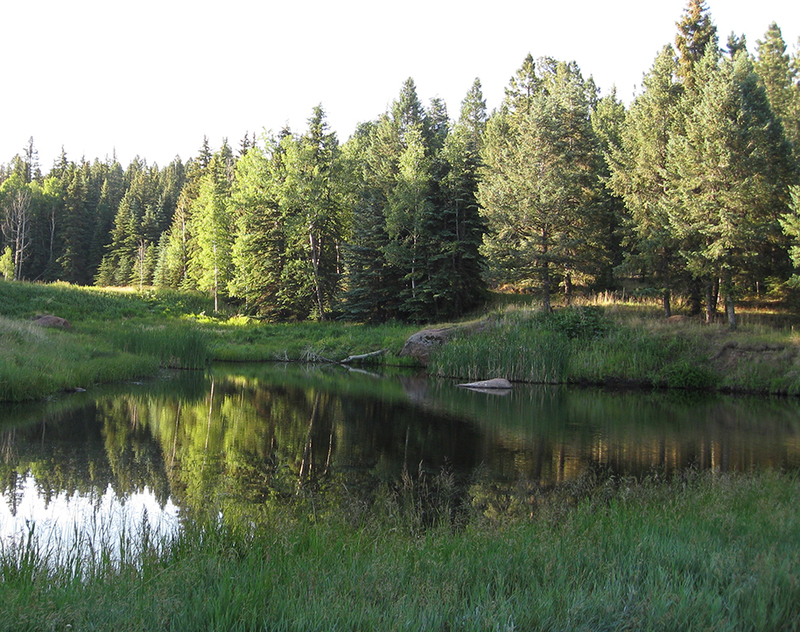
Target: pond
<point>91,465</point>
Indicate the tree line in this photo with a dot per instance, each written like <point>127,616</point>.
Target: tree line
<point>693,188</point>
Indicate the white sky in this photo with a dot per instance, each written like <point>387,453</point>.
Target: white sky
<point>152,77</point>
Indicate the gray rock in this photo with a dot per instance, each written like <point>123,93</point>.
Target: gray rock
<point>420,344</point>
<point>496,383</point>
<point>51,321</point>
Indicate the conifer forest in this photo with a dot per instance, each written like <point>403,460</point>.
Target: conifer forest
<point>693,189</point>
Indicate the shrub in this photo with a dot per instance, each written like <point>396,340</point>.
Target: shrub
<point>688,375</point>
<point>584,322</point>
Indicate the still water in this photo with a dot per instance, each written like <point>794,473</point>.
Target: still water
<point>190,443</point>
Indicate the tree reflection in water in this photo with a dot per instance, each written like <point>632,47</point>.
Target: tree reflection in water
<point>255,436</point>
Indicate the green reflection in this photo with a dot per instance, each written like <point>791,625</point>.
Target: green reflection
<point>246,436</point>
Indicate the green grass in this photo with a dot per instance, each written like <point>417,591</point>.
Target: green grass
<point>121,334</point>
<point>309,341</point>
<point>703,551</point>
<point>623,345</point>
<point>35,362</point>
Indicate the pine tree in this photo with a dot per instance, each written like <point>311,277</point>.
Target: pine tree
<point>212,228</point>
<point>780,79</point>
<point>728,173</point>
<point>408,212</point>
<point>259,245</point>
<point>459,284</point>
<point>370,281</point>
<point>541,184</point>
<point>608,120</point>
<point>314,213</point>
<point>637,162</point>
<point>696,34</point>
<point>76,235</point>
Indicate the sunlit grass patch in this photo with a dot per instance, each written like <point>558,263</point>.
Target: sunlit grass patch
<point>35,362</point>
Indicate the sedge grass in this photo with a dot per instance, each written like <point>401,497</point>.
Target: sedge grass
<point>175,347</point>
<point>592,345</point>
<point>703,551</point>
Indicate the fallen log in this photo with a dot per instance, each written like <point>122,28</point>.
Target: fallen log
<point>363,356</point>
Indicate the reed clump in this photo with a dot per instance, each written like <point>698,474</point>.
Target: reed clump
<point>175,347</point>
<point>582,344</point>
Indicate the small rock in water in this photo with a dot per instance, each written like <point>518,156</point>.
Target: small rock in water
<point>497,382</point>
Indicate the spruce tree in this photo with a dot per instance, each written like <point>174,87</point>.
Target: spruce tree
<point>696,34</point>
<point>637,163</point>
<point>728,173</point>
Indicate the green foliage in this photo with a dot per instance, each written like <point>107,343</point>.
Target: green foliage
<point>7,264</point>
<point>689,375</point>
<point>516,349</point>
<point>416,213</point>
<point>584,322</point>
<point>175,347</point>
<point>542,222</point>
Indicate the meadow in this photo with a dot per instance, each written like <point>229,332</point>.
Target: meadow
<point>695,550</point>
<point>614,341</point>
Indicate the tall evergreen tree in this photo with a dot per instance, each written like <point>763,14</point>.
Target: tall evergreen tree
<point>212,227</point>
<point>540,183</point>
<point>608,119</point>
<point>312,200</point>
<point>370,281</point>
<point>696,33</point>
<point>76,231</point>
<point>637,162</point>
<point>259,250</point>
<point>780,79</point>
<point>728,173</point>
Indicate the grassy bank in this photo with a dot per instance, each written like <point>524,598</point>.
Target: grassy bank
<point>705,551</point>
<point>117,335</point>
<point>624,345</point>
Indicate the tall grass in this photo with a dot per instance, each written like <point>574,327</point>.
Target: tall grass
<point>175,347</point>
<point>704,551</point>
<point>515,351</point>
<point>579,345</point>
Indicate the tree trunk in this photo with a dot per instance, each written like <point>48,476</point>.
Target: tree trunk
<point>315,257</point>
<point>711,302</point>
<point>730,303</point>
<point>567,288</point>
<point>544,267</point>
<point>546,287</point>
<point>695,300</point>
<point>666,298</point>
<point>730,309</point>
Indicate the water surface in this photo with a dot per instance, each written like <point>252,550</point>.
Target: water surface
<point>247,435</point>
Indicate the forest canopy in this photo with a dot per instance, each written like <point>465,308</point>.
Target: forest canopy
<point>691,189</point>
